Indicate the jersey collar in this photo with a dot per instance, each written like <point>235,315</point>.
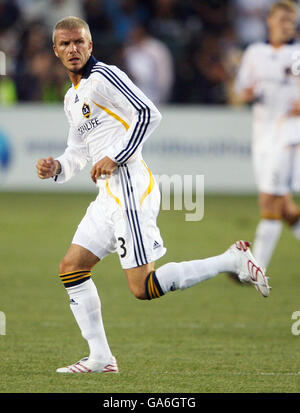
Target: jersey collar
<point>87,70</point>
<point>88,67</point>
<point>292,41</point>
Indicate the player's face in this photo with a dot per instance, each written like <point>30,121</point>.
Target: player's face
<point>282,25</point>
<point>73,48</point>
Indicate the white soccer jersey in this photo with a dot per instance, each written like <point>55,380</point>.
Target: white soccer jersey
<point>268,70</point>
<point>108,116</point>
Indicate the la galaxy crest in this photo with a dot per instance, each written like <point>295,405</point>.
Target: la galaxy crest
<point>86,110</point>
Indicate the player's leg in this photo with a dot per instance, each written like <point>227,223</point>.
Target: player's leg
<point>77,258</point>
<point>291,211</point>
<point>136,278</point>
<point>291,215</point>
<point>141,245</point>
<point>88,247</point>
<point>269,227</point>
<point>147,283</point>
<point>75,273</point>
<point>273,175</point>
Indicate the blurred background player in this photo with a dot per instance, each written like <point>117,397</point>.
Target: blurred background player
<point>149,64</point>
<point>265,79</point>
<point>110,118</point>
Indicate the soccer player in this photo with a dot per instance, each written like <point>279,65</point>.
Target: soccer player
<point>110,119</point>
<point>265,78</point>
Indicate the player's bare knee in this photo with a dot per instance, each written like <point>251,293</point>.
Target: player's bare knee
<point>68,265</point>
<point>65,266</point>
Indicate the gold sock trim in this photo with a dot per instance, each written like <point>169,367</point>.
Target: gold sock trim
<point>152,286</point>
<point>71,279</point>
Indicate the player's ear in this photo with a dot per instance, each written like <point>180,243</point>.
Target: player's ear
<point>91,46</point>
<point>55,51</point>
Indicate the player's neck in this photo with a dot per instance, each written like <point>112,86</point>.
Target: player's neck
<point>276,43</point>
<point>75,78</point>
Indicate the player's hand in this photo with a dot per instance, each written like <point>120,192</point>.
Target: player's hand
<point>46,168</point>
<point>248,95</point>
<point>295,109</point>
<point>103,168</point>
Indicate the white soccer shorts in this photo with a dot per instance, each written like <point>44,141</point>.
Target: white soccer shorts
<point>277,169</point>
<point>123,217</point>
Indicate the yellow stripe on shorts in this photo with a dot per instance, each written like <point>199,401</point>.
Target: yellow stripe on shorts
<point>150,186</point>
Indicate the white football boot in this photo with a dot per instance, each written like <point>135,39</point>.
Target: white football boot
<point>90,366</point>
<point>248,270</point>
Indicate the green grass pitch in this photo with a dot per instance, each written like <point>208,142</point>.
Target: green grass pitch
<point>215,337</point>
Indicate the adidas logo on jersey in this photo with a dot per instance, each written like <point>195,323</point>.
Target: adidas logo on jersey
<point>156,245</point>
<point>73,302</point>
<point>76,99</point>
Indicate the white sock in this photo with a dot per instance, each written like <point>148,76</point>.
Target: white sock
<point>86,307</point>
<point>296,229</point>
<point>181,275</point>
<point>267,235</point>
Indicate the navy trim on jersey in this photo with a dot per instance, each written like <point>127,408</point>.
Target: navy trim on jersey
<point>142,109</point>
<point>134,211</point>
<point>132,216</point>
<point>88,67</point>
<point>292,41</point>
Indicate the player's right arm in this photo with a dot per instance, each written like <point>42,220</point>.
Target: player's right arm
<point>73,160</point>
<point>244,87</point>
<point>67,165</point>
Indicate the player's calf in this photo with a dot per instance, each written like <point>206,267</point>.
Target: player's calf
<point>291,215</point>
<point>294,222</point>
<point>146,288</point>
<point>138,291</point>
<point>140,281</point>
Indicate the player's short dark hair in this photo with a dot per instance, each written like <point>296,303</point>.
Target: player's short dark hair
<point>287,5</point>
<point>70,23</point>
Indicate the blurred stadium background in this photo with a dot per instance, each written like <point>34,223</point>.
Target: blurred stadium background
<point>183,55</point>
<point>217,337</point>
<point>191,47</point>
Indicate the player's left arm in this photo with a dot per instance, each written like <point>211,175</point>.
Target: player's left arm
<point>146,118</point>
<point>295,107</point>
<point>143,114</point>
<point>294,110</point>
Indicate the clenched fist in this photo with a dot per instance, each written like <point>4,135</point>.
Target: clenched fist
<point>46,168</point>
<point>103,168</point>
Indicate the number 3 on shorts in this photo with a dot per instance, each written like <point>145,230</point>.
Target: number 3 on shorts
<point>122,245</point>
